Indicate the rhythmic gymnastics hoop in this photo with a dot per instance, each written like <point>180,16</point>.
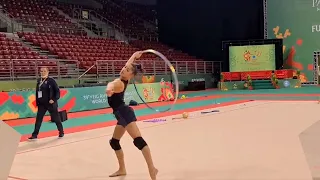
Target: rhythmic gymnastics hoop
<point>175,82</point>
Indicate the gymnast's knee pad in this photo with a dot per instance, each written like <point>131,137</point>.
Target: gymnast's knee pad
<point>115,144</point>
<point>139,143</point>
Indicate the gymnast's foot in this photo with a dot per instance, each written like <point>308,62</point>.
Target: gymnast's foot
<point>33,138</point>
<point>120,172</point>
<point>153,173</point>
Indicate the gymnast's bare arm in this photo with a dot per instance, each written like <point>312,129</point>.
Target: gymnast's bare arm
<point>116,86</point>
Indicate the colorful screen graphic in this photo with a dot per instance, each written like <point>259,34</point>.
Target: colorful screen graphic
<point>252,58</point>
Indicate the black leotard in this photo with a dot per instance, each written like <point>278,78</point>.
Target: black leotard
<point>117,99</point>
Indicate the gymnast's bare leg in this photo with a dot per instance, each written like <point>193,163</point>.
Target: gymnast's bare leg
<point>114,142</point>
<point>134,132</point>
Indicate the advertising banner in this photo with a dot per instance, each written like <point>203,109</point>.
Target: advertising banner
<point>297,23</point>
<point>22,104</point>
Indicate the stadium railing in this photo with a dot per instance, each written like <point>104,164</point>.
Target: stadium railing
<point>19,69</point>
<point>157,67</point>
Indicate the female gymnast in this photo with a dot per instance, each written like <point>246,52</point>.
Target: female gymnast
<point>126,118</point>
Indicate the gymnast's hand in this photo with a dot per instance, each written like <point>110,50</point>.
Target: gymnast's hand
<point>137,54</point>
<point>109,90</point>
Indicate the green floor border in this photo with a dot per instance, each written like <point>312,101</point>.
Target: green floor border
<point>27,129</point>
<point>83,121</point>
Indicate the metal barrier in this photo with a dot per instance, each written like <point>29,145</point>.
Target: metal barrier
<point>157,67</point>
<point>18,69</point>
<point>91,15</point>
<point>12,25</point>
<point>57,29</point>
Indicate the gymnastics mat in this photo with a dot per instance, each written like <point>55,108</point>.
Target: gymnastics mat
<point>310,143</point>
<point>9,142</point>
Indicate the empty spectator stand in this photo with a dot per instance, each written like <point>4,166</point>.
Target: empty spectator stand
<point>18,61</point>
<point>171,53</point>
<point>38,15</point>
<point>182,61</point>
<point>86,50</point>
<point>107,54</point>
<point>132,25</point>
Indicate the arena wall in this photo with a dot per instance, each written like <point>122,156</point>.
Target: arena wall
<point>183,81</point>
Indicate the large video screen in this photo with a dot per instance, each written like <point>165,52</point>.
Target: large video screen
<point>252,58</point>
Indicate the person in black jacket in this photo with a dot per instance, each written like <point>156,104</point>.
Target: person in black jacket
<point>47,95</point>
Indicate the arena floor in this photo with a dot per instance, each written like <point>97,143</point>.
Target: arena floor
<point>247,140</point>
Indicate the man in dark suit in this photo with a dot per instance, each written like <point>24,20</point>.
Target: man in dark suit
<point>47,95</point>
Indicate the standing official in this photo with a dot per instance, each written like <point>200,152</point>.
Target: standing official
<point>47,95</point>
